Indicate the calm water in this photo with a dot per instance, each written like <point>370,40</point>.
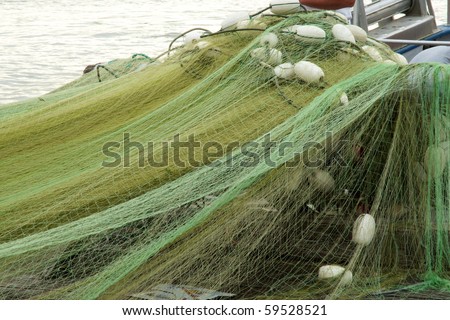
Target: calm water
<point>46,43</point>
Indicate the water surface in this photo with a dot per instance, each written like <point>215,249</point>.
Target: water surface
<point>46,43</point>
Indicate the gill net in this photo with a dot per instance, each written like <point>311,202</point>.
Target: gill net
<point>94,205</point>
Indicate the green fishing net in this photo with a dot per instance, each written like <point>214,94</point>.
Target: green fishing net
<point>329,179</point>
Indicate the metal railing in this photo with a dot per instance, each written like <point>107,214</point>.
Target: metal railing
<point>365,15</point>
<point>385,9</point>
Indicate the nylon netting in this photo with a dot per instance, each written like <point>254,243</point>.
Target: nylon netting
<point>371,137</point>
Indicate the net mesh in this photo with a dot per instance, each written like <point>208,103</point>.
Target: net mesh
<point>97,202</point>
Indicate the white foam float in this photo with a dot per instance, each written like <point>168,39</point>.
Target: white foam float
<point>296,179</point>
<point>285,71</point>
<point>321,180</point>
<point>272,56</point>
<point>310,33</point>
<point>344,99</point>
<point>284,6</point>
<point>330,271</point>
<point>308,71</point>
<point>341,33</point>
<point>435,161</point>
<point>364,229</point>
<point>269,40</point>
<point>399,59</point>
<point>234,18</point>
<point>373,53</point>
<point>359,33</point>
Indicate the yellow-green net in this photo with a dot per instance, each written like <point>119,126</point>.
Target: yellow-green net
<point>96,204</point>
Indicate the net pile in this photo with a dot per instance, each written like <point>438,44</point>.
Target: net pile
<point>350,199</point>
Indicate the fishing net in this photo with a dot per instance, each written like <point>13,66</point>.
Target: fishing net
<point>289,183</point>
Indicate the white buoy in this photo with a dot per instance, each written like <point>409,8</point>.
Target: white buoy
<point>321,180</point>
<point>234,18</point>
<point>192,38</point>
<point>272,56</point>
<point>399,59</point>
<point>284,6</point>
<point>291,29</point>
<point>435,161</point>
<point>141,67</point>
<point>344,99</point>
<point>269,40</point>
<point>308,71</point>
<point>340,32</point>
<point>359,33</point>
<point>373,53</point>
<point>285,71</point>
<point>364,229</point>
<point>347,278</point>
<point>330,271</point>
<point>310,34</point>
